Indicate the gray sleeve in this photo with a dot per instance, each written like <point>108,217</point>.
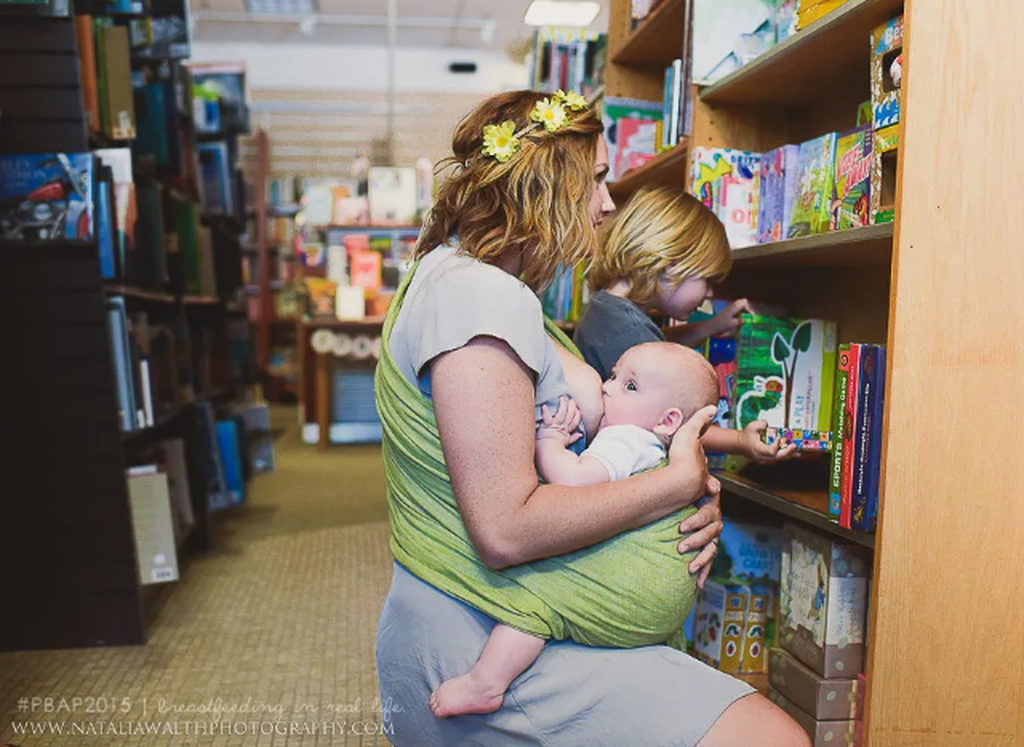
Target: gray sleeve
<point>468,301</point>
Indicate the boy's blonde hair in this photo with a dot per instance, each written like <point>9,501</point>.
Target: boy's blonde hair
<point>662,231</point>
<point>536,203</point>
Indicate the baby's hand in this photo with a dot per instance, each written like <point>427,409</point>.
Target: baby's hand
<point>753,446</point>
<point>564,425</point>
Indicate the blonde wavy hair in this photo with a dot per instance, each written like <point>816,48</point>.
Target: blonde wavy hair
<point>534,204</point>
<point>662,232</point>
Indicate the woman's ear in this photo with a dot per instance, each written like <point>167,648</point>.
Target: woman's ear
<point>670,421</point>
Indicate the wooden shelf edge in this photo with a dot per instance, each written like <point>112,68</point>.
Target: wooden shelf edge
<point>816,243</point>
<point>200,300</point>
<point>629,52</point>
<point>719,92</point>
<point>739,487</point>
<point>370,321</point>
<point>129,291</point>
<point>659,170</point>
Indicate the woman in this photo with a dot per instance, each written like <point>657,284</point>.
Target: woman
<point>465,369</point>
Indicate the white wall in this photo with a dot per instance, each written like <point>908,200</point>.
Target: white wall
<point>322,67</point>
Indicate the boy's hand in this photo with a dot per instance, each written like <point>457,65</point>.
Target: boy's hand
<point>728,321</point>
<point>563,425</point>
<point>753,447</point>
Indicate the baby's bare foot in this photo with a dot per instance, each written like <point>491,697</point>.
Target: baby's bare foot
<point>462,695</point>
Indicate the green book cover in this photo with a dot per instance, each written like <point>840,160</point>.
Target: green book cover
<point>838,443</point>
<point>101,79</point>
<point>815,177</point>
<point>785,372</point>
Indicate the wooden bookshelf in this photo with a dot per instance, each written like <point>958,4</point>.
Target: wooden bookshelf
<point>959,144</point>
<point>141,294</point>
<point>666,168</point>
<point>856,247</point>
<point>806,68</point>
<point>201,300</point>
<point>657,38</point>
<point>372,323</point>
<point>807,505</point>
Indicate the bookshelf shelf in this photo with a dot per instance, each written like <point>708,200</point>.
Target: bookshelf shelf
<point>668,167</point>
<point>809,506</point>
<point>128,291</point>
<point>200,300</point>
<point>657,40</point>
<point>855,247</point>
<point>155,432</point>
<point>804,69</point>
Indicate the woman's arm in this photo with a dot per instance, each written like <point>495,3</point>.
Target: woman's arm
<point>483,400</point>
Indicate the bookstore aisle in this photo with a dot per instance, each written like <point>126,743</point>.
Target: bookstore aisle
<point>280,614</point>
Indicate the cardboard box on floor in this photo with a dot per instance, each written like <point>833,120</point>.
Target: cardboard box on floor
<point>822,733</point>
<point>825,700</point>
<point>822,611</point>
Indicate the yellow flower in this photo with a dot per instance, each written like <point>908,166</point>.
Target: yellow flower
<point>500,141</point>
<point>551,114</point>
<point>572,100</point>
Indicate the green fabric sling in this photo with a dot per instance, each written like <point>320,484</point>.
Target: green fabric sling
<point>631,590</point>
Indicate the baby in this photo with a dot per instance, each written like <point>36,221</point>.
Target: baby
<point>653,389</point>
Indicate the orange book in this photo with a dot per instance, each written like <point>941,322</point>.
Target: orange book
<point>365,270</point>
<point>87,70</point>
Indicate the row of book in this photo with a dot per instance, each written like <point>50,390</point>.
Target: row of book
<point>569,60</point>
<point>857,446</point>
<point>236,445</point>
<point>160,367</point>
<point>566,297</point>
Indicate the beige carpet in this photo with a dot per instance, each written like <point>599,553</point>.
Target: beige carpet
<point>268,639</point>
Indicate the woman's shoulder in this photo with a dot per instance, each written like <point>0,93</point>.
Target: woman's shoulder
<point>464,277</point>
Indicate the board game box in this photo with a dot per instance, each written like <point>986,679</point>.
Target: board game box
<point>851,198</point>
<point>785,372</point>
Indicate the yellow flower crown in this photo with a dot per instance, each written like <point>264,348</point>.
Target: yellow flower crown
<point>502,141</point>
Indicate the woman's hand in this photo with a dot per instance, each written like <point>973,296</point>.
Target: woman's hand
<point>753,447</point>
<point>703,529</point>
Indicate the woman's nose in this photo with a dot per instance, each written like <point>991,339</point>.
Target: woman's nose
<point>607,203</point>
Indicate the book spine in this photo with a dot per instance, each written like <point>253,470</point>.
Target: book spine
<point>866,395</point>
<point>838,442</point>
<point>676,103</point>
<point>874,483</point>
<point>87,70</point>
<point>666,108</point>
<point>849,434</point>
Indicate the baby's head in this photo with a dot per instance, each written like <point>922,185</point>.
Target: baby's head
<point>658,386</point>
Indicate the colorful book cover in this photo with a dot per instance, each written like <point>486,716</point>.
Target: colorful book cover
<point>867,394</point>
<point>839,442</point>
<point>778,176</point>
<point>105,225</point>
<point>46,197</point>
<point>615,109</point>
<point>849,436</point>
<point>785,372</point>
<point>875,457</point>
<point>119,160</point>
<point>231,458</point>
<point>851,198</point>
<point>727,182</point>
<point>802,438</point>
<point>321,295</point>
<point>636,137</point>
<point>814,186</point>
<point>365,270</point>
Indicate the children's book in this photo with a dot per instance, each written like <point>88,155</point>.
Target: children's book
<point>839,442</point>
<point>849,436</point>
<point>726,180</point>
<point>616,109</point>
<point>46,197</point>
<point>779,171</point>
<point>868,385</point>
<point>814,186</point>
<point>851,199</point>
<point>392,195</point>
<point>785,372</point>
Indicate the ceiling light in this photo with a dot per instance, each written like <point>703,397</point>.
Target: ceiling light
<point>282,7</point>
<point>550,13</point>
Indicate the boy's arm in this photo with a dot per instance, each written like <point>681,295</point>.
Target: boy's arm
<point>558,465</point>
<point>747,442</point>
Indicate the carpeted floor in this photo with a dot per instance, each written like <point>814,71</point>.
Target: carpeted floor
<point>268,639</point>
